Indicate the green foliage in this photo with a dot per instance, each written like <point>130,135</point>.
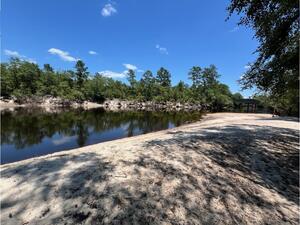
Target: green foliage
<point>23,79</point>
<point>210,76</point>
<point>163,77</point>
<point>48,82</point>
<point>195,75</point>
<point>65,85</point>
<point>148,85</point>
<point>207,89</point>
<point>48,68</point>
<point>180,92</point>
<point>19,77</point>
<point>94,89</point>
<point>237,96</point>
<point>132,81</point>
<point>285,104</point>
<point>276,69</point>
<point>220,97</point>
<point>131,78</point>
<point>6,80</point>
<point>81,73</point>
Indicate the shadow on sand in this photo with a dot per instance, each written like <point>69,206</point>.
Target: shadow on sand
<point>231,175</point>
<point>283,118</point>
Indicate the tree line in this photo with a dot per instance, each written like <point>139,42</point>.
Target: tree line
<point>23,79</point>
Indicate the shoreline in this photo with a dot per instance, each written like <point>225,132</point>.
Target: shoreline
<point>110,104</point>
<point>226,163</point>
<point>11,105</point>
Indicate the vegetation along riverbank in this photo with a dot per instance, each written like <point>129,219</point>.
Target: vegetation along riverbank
<point>25,83</point>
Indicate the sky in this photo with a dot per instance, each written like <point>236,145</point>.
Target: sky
<point>114,36</point>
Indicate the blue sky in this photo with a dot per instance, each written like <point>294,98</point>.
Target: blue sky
<point>113,36</point>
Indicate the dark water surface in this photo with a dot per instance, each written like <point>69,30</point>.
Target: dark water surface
<point>30,132</point>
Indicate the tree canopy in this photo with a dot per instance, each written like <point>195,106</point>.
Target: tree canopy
<point>81,73</point>
<point>163,77</point>
<point>23,79</point>
<point>276,69</point>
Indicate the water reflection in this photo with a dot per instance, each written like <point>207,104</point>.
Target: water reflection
<point>28,132</point>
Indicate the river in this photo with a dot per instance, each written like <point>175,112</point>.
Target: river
<point>30,132</point>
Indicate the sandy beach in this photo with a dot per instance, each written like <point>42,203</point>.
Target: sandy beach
<point>229,168</point>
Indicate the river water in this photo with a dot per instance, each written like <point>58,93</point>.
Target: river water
<point>31,132</point>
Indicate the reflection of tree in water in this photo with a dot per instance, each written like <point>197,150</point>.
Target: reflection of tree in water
<point>28,126</point>
<point>82,133</point>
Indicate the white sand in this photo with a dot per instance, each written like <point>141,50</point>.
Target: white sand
<point>228,169</point>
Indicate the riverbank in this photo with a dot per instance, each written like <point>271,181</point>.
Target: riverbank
<point>46,103</point>
<point>111,104</point>
<point>227,169</point>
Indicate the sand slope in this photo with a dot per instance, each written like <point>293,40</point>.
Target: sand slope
<point>228,169</point>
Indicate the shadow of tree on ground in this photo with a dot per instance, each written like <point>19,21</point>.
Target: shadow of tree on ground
<point>251,160</point>
<point>70,189</point>
<point>241,174</point>
<point>283,118</point>
<point>268,156</point>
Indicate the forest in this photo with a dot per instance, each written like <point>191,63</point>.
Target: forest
<point>23,79</point>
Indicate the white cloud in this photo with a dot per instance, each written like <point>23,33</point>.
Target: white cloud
<point>63,140</point>
<point>162,50</point>
<point>108,10</point>
<point>13,53</point>
<point>112,74</point>
<point>92,52</point>
<point>130,66</point>
<point>30,60</point>
<point>18,55</point>
<point>62,54</point>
